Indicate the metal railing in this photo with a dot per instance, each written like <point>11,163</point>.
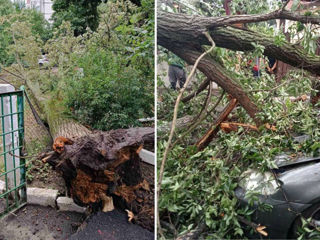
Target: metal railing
<point>12,163</point>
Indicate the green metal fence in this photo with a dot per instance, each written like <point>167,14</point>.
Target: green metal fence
<point>12,163</point>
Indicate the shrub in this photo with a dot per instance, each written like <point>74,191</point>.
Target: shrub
<point>110,94</point>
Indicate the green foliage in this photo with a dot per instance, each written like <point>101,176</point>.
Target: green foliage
<point>305,35</point>
<point>82,14</point>
<point>105,77</point>
<point>35,167</point>
<point>39,25</point>
<point>6,7</point>
<point>250,7</point>
<point>307,231</point>
<point>110,95</point>
<point>13,18</point>
<point>199,187</point>
<point>309,41</point>
<point>128,30</point>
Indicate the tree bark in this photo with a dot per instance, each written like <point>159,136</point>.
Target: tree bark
<point>59,123</point>
<point>209,135</point>
<point>188,30</point>
<point>62,125</point>
<point>100,168</point>
<point>181,122</point>
<point>214,72</point>
<point>183,35</point>
<point>199,24</point>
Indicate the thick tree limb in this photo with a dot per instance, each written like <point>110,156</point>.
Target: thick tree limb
<point>202,23</point>
<point>182,34</point>
<point>215,72</point>
<point>186,30</point>
<point>208,136</point>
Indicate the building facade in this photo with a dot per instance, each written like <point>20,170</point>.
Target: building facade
<point>44,6</point>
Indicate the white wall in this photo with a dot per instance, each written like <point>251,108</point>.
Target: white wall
<point>44,6</point>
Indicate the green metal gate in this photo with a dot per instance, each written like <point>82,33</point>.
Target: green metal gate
<point>12,163</point>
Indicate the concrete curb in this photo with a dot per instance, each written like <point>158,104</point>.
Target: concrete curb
<point>42,196</point>
<point>49,197</point>
<point>147,156</point>
<point>66,204</point>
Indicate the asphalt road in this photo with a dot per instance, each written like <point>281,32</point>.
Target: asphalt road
<point>111,226</point>
<point>39,223</point>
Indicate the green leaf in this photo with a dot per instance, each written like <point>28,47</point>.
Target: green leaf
<point>295,5</point>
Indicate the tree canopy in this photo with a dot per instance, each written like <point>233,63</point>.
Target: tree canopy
<point>82,14</point>
<point>102,78</point>
<point>247,127</point>
<point>10,15</point>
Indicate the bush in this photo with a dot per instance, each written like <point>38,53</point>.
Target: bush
<point>110,94</point>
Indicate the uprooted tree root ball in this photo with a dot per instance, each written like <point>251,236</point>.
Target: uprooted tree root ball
<point>104,168</point>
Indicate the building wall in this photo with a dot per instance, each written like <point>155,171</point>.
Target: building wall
<point>44,6</point>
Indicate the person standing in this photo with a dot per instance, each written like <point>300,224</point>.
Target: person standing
<point>271,66</point>
<point>176,72</point>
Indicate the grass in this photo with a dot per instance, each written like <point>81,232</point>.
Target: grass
<point>35,167</point>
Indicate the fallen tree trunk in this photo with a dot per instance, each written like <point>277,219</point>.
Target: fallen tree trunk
<point>184,35</point>
<point>105,166</point>
<point>102,170</point>
<point>181,122</point>
<point>60,124</point>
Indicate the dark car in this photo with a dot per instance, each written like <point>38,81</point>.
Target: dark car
<point>293,189</point>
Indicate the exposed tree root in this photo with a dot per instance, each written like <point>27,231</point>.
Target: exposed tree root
<point>103,170</point>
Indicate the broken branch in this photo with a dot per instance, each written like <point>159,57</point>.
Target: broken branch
<point>206,139</point>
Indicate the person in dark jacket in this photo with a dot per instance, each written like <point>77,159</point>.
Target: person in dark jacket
<point>176,75</point>
<point>176,72</point>
<point>272,65</point>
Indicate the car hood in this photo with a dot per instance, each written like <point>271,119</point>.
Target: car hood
<point>286,160</point>
<point>301,183</point>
